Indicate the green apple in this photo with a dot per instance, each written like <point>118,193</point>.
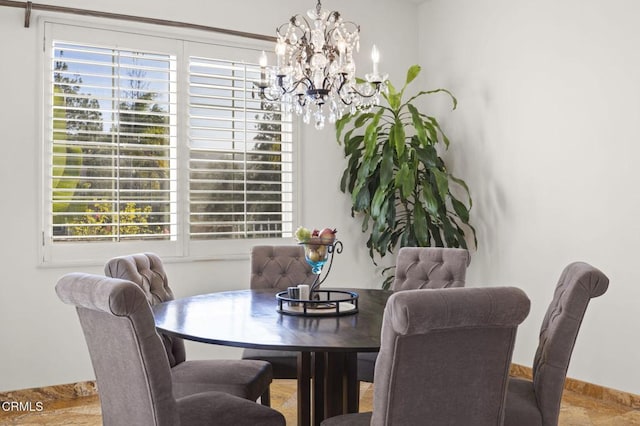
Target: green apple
<point>302,234</point>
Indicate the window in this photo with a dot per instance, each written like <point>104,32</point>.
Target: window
<point>113,154</point>
<point>240,156</point>
<point>159,144</point>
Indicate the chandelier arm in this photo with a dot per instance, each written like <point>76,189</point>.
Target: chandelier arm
<point>306,82</point>
<point>293,23</point>
<point>298,16</point>
<point>263,95</point>
<point>332,83</point>
<point>355,28</point>
<point>302,99</point>
<point>347,102</point>
<point>329,46</point>
<point>306,21</point>
<point>278,29</point>
<point>375,92</point>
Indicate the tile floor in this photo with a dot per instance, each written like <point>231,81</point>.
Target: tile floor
<point>577,410</point>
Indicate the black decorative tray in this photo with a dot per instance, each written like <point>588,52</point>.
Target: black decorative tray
<point>326,303</point>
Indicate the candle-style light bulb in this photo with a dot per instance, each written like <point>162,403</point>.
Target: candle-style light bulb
<point>342,50</point>
<point>375,57</point>
<point>281,49</point>
<point>263,68</point>
<point>263,60</point>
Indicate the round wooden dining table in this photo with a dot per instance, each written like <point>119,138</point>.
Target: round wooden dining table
<point>327,346</point>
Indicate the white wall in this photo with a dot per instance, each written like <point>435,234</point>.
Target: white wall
<point>41,340</point>
<point>547,137</point>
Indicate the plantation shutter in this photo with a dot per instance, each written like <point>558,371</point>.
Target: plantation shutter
<point>113,144</point>
<point>240,157</point>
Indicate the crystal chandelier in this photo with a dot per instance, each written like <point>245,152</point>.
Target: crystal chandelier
<point>315,73</point>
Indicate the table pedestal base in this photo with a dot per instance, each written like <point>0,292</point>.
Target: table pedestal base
<point>335,386</point>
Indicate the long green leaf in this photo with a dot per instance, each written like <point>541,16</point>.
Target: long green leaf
<point>464,185</point>
<point>391,91</point>
<point>420,225</point>
<point>362,119</point>
<point>449,232</point>
<point>362,200</point>
<point>392,138</point>
<point>398,137</point>
<point>427,155</point>
<point>378,199</point>
<point>401,175</point>
<point>391,216</point>
<point>460,209</point>
<point>365,223</point>
<point>384,242</point>
<point>394,101</point>
<point>350,174</point>
<point>431,92</point>
<point>442,182</point>
<point>344,181</point>
<point>351,143</point>
<point>341,123</point>
<point>386,166</point>
<point>435,230</point>
<point>418,124</point>
<point>475,237</point>
<point>431,130</point>
<point>409,183</point>
<point>412,73</point>
<point>384,213</point>
<point>430,200</point>
<point>436,126</point>
<point>366,169</point>
<point>371,135</point>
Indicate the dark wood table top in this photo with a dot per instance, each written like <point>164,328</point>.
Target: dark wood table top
<point>249,319</point>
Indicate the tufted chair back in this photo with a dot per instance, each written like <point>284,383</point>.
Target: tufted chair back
<point>444,357</point>
<point>135,386</point>
<point>279,267</point>
<point>578,284</point>
<point>421,268</point>
<point>146,270</point>
<point>430,267</point>
<point>423,372</point>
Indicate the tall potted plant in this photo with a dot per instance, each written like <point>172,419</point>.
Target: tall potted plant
<point>398,182</point>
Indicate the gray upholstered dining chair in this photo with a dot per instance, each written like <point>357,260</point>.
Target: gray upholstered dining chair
<point>421,268</point>
<point>430,267</point>
<point>132,372</point>
<point>246,379</point>
<point>537,402</point>
<point>444,357</point>
<point>278,267</point>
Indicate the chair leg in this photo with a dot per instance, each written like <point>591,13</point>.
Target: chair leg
<point>265,398</point>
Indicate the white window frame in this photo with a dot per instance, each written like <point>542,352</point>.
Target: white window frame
<point>180,43</point>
